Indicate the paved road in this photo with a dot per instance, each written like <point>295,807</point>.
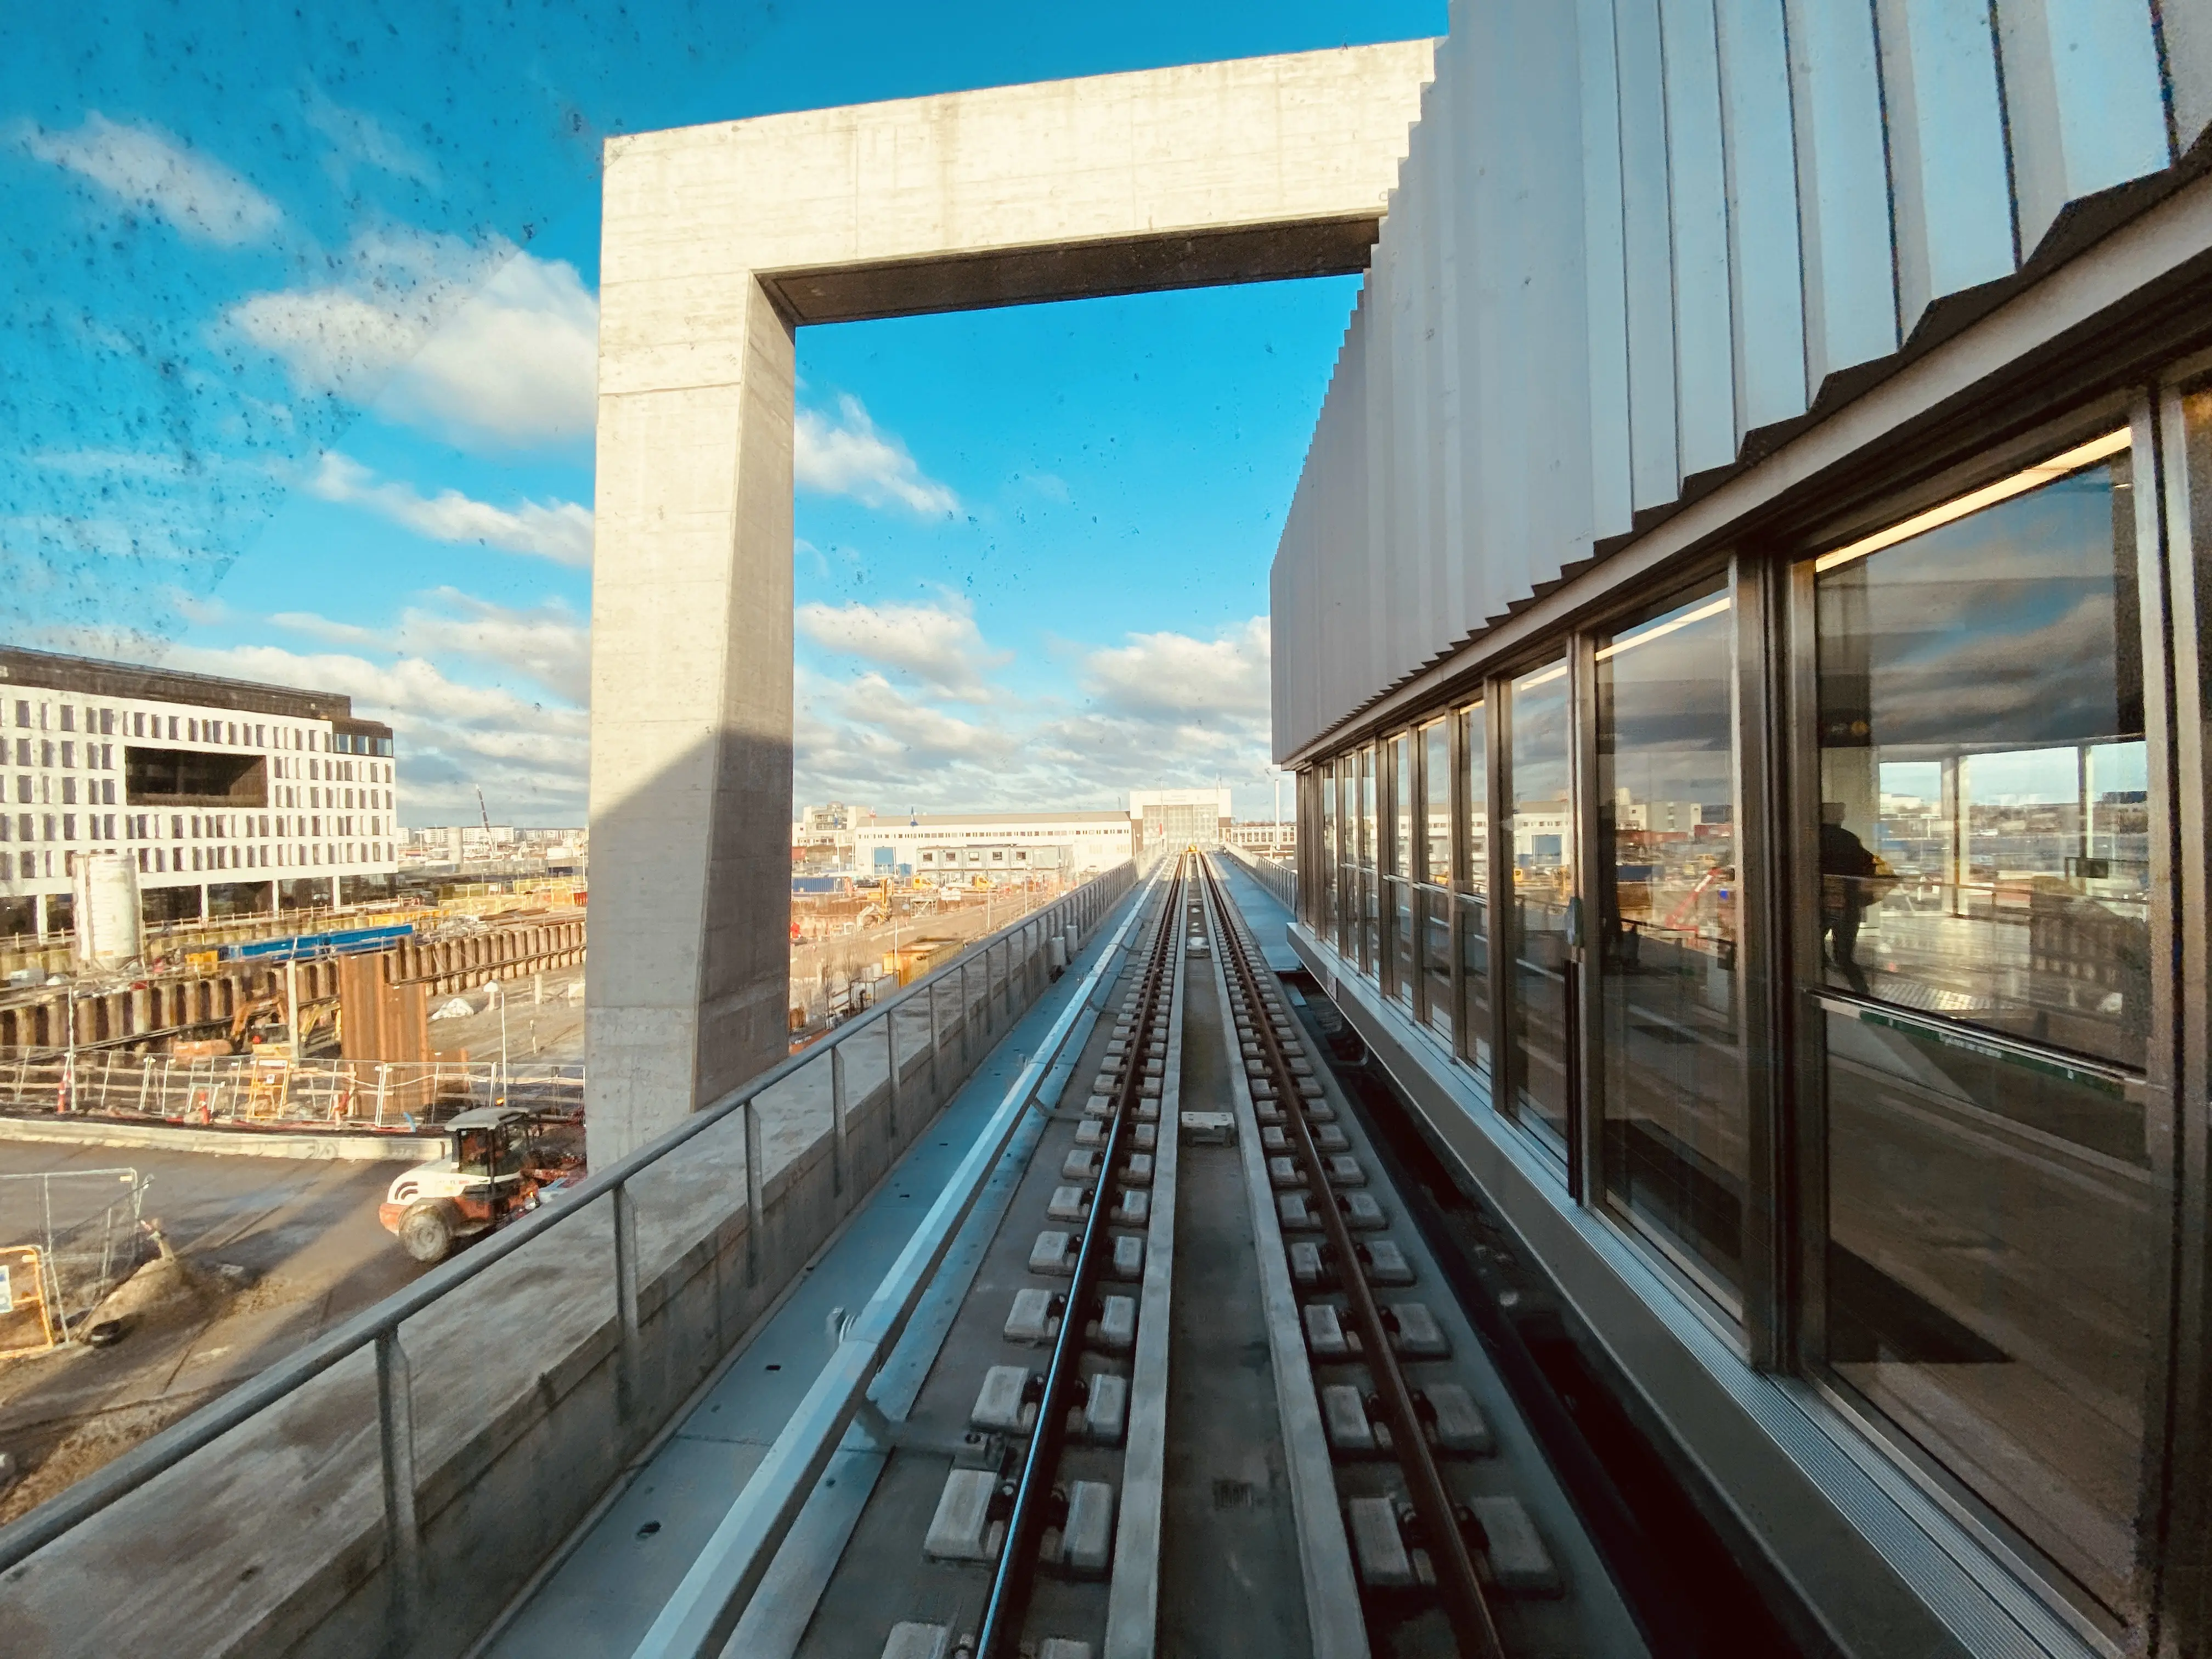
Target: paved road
<point>300,1238</point>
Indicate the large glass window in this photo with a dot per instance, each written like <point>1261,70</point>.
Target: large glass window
<point>1997,1224</point>
<point>1434,898</point>
<point>1475,1029</point>
<point>1370,952</point>
<point>1317,851</point>
<point>1398,890</point>
<point>1346,785</point>
<point>1984,836</point>
<point>1675,1158</point>
<point>1542,917</point>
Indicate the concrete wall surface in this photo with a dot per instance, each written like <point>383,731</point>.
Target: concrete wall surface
<point>270,1542</point>
<point>717,241</point>
<point>1637,244</point>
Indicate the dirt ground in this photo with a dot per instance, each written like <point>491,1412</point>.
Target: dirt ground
<point>269,1254</point>
<point>551,1031</point>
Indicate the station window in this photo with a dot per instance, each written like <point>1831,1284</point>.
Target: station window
<point>1433,921</point>
<point>1670,1054</point>
<point>1543,914</point>
<point>1474,1017</point>
<point>1397,867</point>
<point>1996,1216</point>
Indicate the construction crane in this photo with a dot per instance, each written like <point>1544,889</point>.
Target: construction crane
<point>483,813</point>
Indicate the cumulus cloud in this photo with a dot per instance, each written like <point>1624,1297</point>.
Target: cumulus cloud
<point>939,645</point>
<point>549,642</point>
<point>556,530</point>
<point>148,169</point>
<point>1159,709</point>
<point>847,454</point>
<point>528,757</point>
<point>1168,674</point>
<point>480,343</point>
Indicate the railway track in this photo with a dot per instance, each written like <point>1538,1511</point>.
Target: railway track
<point>1189,1384</point>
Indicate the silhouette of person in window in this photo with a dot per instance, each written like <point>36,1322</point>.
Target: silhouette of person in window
<point>1847,871</point>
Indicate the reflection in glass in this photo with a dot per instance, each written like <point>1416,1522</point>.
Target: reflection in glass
<point>1675,1149</point>
<point>1984,833</point>
<point>1475,884</point>
<point>1326,854</point>
<point>1542,914</point>
<point>1398,855</point>
<point>1990,1274</point>
<point>1996,1228</point>
<point>1436,804</point>
<point>1371,953</point>
<point>1434,808</point>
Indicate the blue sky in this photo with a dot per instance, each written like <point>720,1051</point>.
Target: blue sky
<point>298,386</point>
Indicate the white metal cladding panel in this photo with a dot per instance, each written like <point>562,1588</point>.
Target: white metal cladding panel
<point>1629,233</point>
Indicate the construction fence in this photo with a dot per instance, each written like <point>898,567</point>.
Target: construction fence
<point>273,1090</point>
<point>67,1239</point>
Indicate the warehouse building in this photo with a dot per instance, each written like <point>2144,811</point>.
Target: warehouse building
<point>228,797</point>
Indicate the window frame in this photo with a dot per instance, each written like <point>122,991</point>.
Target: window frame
<point>1804,1333</point>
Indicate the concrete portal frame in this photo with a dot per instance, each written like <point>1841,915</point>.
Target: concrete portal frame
<point>717,242</point>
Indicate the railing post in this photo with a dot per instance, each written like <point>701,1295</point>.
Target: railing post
<point>936,1058</point>
<point>631,1347</point>
<point>753,1183</point>
<point>892,1054</point>
<point>403,1538</point>
<point>837,1118</point>
<point>967,1057</point>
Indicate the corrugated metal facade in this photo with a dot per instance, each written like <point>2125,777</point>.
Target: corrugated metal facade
<point>1632,235</point>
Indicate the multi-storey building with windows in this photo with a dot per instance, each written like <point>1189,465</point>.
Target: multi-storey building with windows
<point>230,798</point>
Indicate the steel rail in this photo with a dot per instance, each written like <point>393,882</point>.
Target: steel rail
<point>71,1508</point>
<point>1473,1629</point>
<point>704,1610</point>
<point>1016,1566</point>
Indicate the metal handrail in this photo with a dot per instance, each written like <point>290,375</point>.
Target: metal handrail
<point>705,1608</point>
<point>379,1326</point>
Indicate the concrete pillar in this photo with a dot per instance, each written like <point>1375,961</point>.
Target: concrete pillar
<point>1259,168</point>
<point>691,702</point>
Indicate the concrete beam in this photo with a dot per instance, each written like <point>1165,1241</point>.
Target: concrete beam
<point>718,241</point>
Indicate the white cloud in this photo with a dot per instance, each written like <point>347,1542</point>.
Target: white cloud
<point>548,642</point>
<point>356,135</point>
<point>1157,674</point>
<point>477,344</point>
<point>1161,708</point>
<point>848,455</point>
<point>147,168</point>
<point>530,758</point>
<point>937,644</point>
<point>556,530</point>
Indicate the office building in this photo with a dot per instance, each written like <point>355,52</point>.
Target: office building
<point>229,798</point>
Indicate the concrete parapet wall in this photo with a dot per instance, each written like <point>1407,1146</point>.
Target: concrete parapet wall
<point>271,1542</point>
